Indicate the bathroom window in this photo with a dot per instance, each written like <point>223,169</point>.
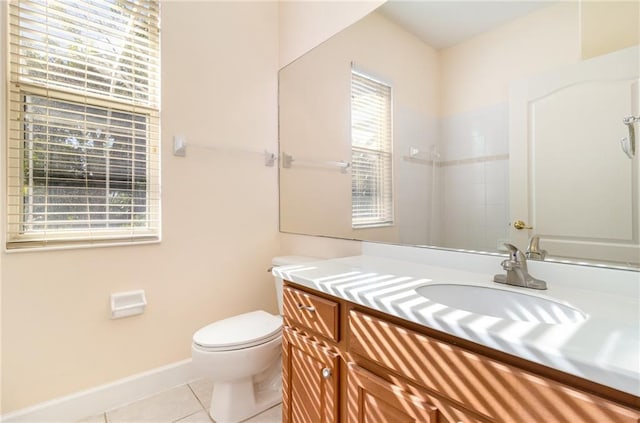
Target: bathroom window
<point>371,152</point>
<point>83,147</point>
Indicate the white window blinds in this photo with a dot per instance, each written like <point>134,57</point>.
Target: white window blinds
<point>371,152</point>
<point>83,153</point>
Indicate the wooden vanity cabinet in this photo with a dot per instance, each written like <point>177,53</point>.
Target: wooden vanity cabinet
<point>347,363</point>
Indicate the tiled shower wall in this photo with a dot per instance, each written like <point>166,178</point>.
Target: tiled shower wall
<point>474,179</point>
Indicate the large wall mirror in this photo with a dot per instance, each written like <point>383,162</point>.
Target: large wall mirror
<point>465,125</point>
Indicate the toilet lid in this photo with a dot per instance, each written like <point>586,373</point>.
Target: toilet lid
<point>242,331</point>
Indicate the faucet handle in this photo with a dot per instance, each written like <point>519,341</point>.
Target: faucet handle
<point>517,273</point>
<point>516,257</point>
<point>514,254</point>
<point>533,251</point>
<point>509,264</point>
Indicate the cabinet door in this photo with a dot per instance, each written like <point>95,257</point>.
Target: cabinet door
<point>310,380</point>
<point>374,400</point>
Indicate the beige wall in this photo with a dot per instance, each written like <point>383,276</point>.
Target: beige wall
<point>608,26</point>
<point>305,24</point>
<point>477,72</point>
<point>318,246</point>
<point>219,222</point>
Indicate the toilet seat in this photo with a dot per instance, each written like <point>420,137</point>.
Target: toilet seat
<point>238,332</point>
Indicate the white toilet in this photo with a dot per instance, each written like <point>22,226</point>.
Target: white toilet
<point>242,355</point>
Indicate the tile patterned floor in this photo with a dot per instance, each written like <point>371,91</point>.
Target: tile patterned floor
<point>184,404</point>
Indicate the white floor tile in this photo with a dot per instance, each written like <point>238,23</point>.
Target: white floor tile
<point>199,417</point>
<point>178,405</point>
<point>272,415</point>
<point>203,388</point>
<point>166,407</point>
<point>98,418</point>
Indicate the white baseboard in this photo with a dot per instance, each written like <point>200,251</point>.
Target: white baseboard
<point>106,397</point>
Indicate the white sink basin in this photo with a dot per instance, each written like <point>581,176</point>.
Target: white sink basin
<point>502,303</point>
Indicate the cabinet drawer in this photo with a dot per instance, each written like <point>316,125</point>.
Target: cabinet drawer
<point>502,393</point>
<point>311,312</point>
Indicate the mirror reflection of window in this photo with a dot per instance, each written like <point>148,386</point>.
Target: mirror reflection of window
<point>371,152</point>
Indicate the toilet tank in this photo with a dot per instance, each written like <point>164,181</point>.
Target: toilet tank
<point>286,261</point>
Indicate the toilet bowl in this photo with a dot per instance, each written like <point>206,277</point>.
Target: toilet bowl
<point>242,356</point>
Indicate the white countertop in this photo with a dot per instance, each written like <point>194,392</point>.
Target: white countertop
<point>604,348</point>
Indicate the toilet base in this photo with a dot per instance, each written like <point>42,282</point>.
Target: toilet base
<point>233,402</point>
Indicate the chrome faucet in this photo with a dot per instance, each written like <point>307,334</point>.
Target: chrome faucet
<point>517,273</point>
<point>533,251</point>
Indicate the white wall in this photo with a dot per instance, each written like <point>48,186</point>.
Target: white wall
<point>219,64</point>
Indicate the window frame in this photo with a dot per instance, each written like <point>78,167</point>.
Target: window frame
<point>17,237</point>
<point>383,211</point>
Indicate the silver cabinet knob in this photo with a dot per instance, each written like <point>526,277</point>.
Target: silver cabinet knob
<point>326,373</point>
